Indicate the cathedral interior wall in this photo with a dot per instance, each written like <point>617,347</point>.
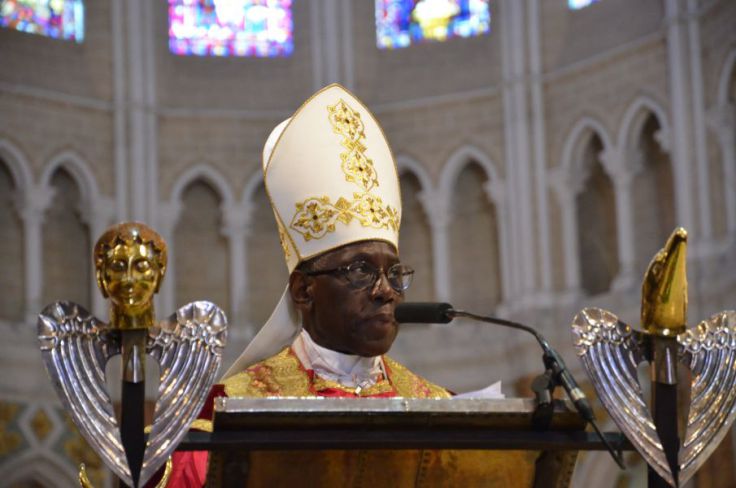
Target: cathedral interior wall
<point>522,167</point>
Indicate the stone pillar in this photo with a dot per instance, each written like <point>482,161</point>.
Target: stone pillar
<point>539,138</point>
<point>141,128</point>
<point>120,128</point>
<point>516,143</point>
<point>496,193</point>
<point>438,214</point>
<point>97,215</point>
<point>236,227</point>
<point>566,186</point>
<point>32,213</point>
<point>678,82</point>
<point>168,216</point>
<point>722,119</point>
<point>623,178</point>
<point>700,151</point>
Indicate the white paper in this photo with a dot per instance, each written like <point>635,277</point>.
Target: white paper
<point>489,393</point>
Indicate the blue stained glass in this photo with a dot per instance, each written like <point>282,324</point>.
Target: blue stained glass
<point>60,19</point>
<point>400,23</point>
<point>578,4</point>
<point>259,28</point>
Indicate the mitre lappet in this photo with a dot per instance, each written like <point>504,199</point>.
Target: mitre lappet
<point>332,180</point>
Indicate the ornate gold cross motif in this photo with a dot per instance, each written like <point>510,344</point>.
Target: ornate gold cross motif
<point>316,216</point>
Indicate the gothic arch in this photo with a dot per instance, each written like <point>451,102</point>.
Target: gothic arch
<point>727,72</point>
<point>262,270</point>
<point>13,285</point>
<point>79,170</point>
<point>94,210</point>
<point>494,189</point>
<point>170,213</point>
<point>568,181</point>
<point>634,118</point>
<point>406,164</point>
<point>457,162</point>
<point>17,164</point>
<point>251,187</point>
<point>45,468</point>
<point>417,191</point>
<point>206,173</point>
<point>722,121</point>
<point>576,141</point>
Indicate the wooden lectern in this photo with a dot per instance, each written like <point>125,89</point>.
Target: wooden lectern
<point>245,424</point>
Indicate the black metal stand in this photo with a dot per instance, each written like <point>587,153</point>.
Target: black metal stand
<point>391,438</point>
<point>664,405</point>
<point>543,387</point>
<point>131,427</point>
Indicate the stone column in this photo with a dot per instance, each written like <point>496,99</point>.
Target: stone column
<point>138,93</point>
<point>678,82</point>
<point>168,216</point>
<point>236,227</point>
<point>722,119</point>
<point>97,215</point>
<point>539,138</point>
<point>623,177</point>
<point>120,127</point>
<point>496,193</point>
<point>32,213</point>
<point>566,186</point>
<point>437,209</point>
<point>516,142</point>
<point>700,151</point>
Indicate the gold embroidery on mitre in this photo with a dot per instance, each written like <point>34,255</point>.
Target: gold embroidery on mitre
<point>284,244</point>
<point>316,216</point>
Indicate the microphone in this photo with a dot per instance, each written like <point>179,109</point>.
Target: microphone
<point>423,313</point>
<point>442,313</point>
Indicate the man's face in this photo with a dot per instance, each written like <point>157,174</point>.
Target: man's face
<point>351,320</point>
<point>130,275</point>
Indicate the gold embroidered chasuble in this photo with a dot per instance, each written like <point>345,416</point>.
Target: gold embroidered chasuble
<point>284,375</point>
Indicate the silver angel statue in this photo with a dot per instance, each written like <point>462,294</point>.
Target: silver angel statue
<point>611,352</point>
<point>130,263</point>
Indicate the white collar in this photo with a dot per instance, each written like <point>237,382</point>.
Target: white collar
<point>347,369</point>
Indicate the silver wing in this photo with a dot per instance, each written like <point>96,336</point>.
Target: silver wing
<point>710,351</point>
<point>75,347</point>
<point>610,353</point>
<point>188,346</point>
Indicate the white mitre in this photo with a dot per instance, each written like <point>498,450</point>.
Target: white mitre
<point>332,180</point>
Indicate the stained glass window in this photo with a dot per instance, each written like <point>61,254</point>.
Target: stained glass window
<point>400,23</point>
<point>578,4</point>
<point>60,19</point>
<point>260,28</point>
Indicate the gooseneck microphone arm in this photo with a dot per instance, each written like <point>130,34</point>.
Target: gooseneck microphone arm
<point>443,313</point>
<point>552,360</point>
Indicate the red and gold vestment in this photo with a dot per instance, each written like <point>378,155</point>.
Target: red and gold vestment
<point>284,375</point>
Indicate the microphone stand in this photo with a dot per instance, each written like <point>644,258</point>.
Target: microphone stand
<point>544,385</point>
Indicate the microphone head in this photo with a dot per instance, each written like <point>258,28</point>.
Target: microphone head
<point>424,313</point>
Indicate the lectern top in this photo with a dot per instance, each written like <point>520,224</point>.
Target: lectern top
<point>506,414</point>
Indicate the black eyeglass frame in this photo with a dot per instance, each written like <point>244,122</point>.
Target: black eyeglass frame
<point>345,271</point>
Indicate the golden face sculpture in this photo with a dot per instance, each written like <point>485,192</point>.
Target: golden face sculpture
<point>130,262</point>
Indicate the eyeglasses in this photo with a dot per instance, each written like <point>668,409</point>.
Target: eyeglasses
<point>364,275</point>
